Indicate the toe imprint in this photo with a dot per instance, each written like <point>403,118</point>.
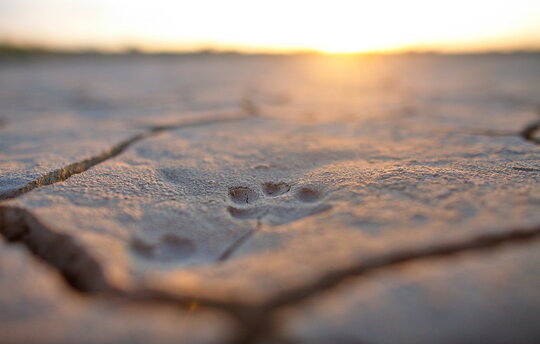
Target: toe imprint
<point>242,195</point>
<point>275,189</point>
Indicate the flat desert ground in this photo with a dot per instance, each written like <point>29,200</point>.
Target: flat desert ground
<point>222,198</point>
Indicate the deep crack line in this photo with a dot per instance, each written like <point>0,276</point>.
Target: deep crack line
<point>65,172</point>
<point>335,277</point>
<point>80,269</point>
<point>85,274</point>
<point>262,322</point>
<point>530,131</point>
<point>61,251</point>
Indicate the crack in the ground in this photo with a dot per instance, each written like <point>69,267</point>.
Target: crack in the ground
<point>526,169</point>
<point>79,268</point>
<point>531,132</point>
<point>84,273</point>
<point>490,133</point>
<point>65,172</point>
<point>262,323</point>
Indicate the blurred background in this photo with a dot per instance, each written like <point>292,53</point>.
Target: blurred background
<point>341,26</point>
<point>314,60</point>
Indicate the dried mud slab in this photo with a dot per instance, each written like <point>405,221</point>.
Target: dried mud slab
<point>33,148</point>
<point>468,298</point>
<point>37,307</point>
<point>162,214</point>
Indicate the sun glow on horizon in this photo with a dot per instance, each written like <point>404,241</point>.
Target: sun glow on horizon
<point>339,26</point>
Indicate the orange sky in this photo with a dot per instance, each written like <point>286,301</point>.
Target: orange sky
<point>274,26</point>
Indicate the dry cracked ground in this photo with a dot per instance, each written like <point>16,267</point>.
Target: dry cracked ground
<point>260,199</point>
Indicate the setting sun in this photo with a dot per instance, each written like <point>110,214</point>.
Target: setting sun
<point>278,26</point>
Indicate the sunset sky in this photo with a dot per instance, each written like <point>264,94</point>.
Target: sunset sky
<point>273,26</point>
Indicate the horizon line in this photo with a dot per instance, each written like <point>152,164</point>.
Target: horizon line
<point>7,48</point>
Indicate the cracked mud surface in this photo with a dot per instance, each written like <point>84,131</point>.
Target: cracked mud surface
<point>321,208</point>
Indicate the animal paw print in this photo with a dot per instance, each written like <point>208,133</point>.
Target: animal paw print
<point>168,248</point>
<point>275,203</point>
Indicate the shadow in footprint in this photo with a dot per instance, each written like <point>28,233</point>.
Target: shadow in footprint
<point>275,189</point>
<point>242,195</point>
<point>245,213</point>
<point>271,210</point>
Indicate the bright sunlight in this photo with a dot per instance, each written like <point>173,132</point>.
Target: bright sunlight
<point>274,26</point>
